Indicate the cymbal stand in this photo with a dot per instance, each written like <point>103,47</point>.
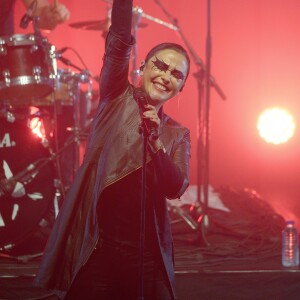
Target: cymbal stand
<point>36,28</point>
<point>83,77</point>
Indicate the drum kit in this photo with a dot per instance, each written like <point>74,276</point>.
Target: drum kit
<point>45,117</point>
<point>45,113</point>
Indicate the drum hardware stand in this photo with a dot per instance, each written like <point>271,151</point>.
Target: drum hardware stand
<point>29,173</point>
<point>183,215</point>
<point>75,94</point>
<point>203,120</point>
<point>21,258</point>
<point>25,176</point>
<point>58,195</point>
<point>83,77</point>
<point>36,27</point>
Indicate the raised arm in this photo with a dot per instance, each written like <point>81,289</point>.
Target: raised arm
<point>121,19</point>
<point>114,73</point>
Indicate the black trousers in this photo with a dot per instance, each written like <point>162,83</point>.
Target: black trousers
<point>112,273</point>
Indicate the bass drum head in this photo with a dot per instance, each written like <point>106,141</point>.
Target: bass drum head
<point>25,207</point>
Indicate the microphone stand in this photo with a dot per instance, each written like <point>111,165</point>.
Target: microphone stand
<point>206,220</point>
<point>25,176</point>
<point>145,135</point>
<point>203,118</point>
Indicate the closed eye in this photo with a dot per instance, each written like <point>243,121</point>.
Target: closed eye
<point>162,66</point>
<point>177,74</point>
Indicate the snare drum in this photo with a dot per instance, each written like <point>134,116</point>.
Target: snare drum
<point>27,68</point>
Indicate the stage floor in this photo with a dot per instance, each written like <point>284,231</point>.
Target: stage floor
<point>236,257</point>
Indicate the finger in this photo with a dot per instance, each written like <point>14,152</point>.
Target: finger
<point>150,107</point>
<point>150,114</point>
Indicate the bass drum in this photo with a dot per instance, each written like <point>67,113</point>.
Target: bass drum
<point>26,190</point>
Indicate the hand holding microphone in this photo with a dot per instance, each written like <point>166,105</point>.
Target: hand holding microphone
<point>148,113</point>
<point>150,117</point>
<point>152,120</point>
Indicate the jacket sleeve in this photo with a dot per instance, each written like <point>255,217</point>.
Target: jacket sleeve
<point>173,169</point>
<point>118,44</point>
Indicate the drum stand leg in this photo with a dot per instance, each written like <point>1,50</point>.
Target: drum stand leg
<point>78,128</point>
<point>183,216</point>
<point>57,197</point>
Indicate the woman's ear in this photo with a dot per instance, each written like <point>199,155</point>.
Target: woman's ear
<point>142,67</point>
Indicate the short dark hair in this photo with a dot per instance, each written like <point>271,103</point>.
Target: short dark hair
<point>176,47</point>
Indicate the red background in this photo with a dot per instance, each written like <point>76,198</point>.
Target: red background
<point>255,61</point>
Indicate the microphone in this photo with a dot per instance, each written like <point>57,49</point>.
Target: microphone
<point>28,15</point>
<point>59,53</point>
<point>14,185</point>
<point>142,100</point>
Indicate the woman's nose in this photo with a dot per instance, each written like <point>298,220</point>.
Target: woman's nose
<point>166,77</point>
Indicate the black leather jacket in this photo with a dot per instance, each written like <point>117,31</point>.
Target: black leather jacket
<point>114,150</point>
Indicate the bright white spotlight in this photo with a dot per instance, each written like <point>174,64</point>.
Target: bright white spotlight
<point>276,125</point>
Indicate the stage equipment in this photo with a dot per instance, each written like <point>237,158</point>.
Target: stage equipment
<point>28,196</point>
<point>45,114</point>
<point>27,68</point>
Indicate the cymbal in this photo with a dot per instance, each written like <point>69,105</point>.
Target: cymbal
<point>101,25</point>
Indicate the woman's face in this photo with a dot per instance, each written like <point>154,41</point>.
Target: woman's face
<point>163,76</point>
